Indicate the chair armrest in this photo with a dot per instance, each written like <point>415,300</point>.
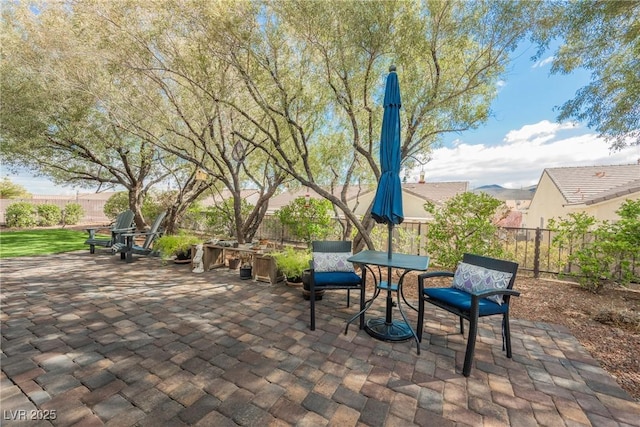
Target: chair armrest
<point>119,233</point>
<point>435,274</point>
<point>124,230</point>
<point>430,275</point>
<point>489,292</point>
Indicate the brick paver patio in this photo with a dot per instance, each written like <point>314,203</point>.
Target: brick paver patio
<point>93,341</point>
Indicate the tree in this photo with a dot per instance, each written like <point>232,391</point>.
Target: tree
<point>221,218</point>
<point>62,104</point>
<point>319,120</point>
<point>603,37</point>
<point>183,86</point>
<point>253,94</point>
<point>465,223</point>
<point>10,190</point>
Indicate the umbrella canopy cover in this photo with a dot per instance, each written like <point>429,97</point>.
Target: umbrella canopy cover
<point>387,205</point>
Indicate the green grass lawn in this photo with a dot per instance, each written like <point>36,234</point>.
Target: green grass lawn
<point>41,242</point>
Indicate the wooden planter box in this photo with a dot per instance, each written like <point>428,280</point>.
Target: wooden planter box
<point>265,269</point>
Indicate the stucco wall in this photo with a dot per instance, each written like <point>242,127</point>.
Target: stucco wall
<point>548,203</point>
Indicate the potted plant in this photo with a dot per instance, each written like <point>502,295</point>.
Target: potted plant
<point>245,267</point>
<point>176,245</point>
<point>292,263</point>
<point>234,263</point>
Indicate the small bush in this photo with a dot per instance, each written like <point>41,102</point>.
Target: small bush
<point>119,202</point>
<point>467,222</point>
<point>72,214</point>
<point>21,214</point>
<point>49,215</point>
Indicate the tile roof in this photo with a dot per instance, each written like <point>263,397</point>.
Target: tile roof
<point>284,198</point>
<point>438,192</point>
<point>595,184</point>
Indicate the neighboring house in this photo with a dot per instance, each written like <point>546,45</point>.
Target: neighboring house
<point>414,196</point>
<point>250,195</point>
<point>596,190</point>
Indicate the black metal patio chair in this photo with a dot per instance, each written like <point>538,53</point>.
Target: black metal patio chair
<point>481,287</point>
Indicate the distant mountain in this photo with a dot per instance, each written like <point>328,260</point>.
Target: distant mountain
<point>502,193</point>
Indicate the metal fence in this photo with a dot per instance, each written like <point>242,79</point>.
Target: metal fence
<point>532,248</point>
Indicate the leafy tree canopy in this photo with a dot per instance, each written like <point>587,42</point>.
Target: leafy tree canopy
<point>11,190</point>
<point>603,37</point>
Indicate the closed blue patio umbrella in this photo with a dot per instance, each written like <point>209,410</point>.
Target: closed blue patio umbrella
<point>387,205</point>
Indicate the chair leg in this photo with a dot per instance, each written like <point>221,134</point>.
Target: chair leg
<point>471,340</point>
<point>362,302</point>
<point>348,297</point>
<point>462,326</point>
<point>312,302</point>
<point>506,334</point>
<point>92,249</point>
<point>420,325</point>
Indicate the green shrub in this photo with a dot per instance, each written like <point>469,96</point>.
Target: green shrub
<point>118,202</point>
<point>72,213</point>
<point>466,223</point>
<point>49,215</point>
<point>601,251</point>
<point>21,214</point>
<point>292,262</point>
<point>307,220</point>
<point>220,219</point>
<point>173,244</point>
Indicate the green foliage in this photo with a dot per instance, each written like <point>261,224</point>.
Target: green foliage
<point>72,213</point>
<point>466,223</point>
<point>220,219</point>
<point>68,119</point>
<point>292,262</point>
<point>9,190</point>
<point>21,215</point>
<point>601,251</point>
<point>40,242</point>
<point>307,220</point>
<point>602,37</point>
<point>118,202</point>
<point>48,215</point>
<point>404,240</point>
<point>173,244</point>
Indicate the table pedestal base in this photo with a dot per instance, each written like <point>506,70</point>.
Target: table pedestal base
<point>394,331</point>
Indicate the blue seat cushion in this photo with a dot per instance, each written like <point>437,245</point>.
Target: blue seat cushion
<point>333,278</point>
<point>462,301</point>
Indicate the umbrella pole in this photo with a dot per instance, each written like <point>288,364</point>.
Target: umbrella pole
<point>389,240</point>
<point>389,316</point>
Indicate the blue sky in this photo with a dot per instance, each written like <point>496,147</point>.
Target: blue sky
<point>512,149</point>
<point>522,137</point>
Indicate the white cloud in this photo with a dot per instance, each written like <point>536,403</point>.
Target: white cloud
<point>523,155</point>
<point>543,62</point>
<point>539,132</point>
